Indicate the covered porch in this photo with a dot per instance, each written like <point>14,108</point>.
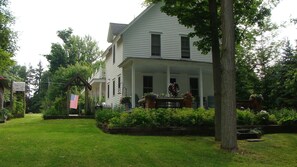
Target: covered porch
<point>97,81</point>
<point>144,75</point>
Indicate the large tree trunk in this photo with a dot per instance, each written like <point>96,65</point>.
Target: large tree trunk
<point>229,137</point>
<point>216,66</point>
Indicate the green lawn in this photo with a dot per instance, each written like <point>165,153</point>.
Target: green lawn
<point>31,141</point>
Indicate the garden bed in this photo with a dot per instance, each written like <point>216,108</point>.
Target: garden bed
<point>170,131</point>
<point>199,131</point>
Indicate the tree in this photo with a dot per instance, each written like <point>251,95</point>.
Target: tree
<point>200,15</point>
<point>229,128</point>
<point>74,49</point>
<point>279,82</point>
<point>7,37</point>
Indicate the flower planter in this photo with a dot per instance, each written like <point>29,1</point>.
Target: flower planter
<point>150,103</point>
<point>187,103</point>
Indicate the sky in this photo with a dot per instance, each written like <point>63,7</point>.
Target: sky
<point>37,22</point>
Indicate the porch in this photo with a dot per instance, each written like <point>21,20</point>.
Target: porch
<point>144,75</point>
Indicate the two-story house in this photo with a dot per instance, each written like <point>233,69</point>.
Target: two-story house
<point>151,52</point>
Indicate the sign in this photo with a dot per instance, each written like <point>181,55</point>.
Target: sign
<point>19,86</point>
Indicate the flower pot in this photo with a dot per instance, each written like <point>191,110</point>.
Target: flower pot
<point>187,102</point>
<point>150,103</point>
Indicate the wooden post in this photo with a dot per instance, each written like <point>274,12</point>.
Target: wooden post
<point>86,100</point>
<point>68,101</point>
<point>11,97</point>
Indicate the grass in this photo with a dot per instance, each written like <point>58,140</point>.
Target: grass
<point>31,141</point>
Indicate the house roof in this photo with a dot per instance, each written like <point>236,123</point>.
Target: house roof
<point>123,27</point>
<point>114,30</point>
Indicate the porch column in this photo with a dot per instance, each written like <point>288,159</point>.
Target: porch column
<point>168,79</point>
<point>100,91</point>
<point>133,85</point>
<point>201,87</point>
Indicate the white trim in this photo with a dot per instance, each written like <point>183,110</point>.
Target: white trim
<point>168,79</point>
<point>201,87</point>
<point>133,85</point>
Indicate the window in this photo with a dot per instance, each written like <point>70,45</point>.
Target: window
<point>108,91</point>
<point>185,47</point>
<point>119,84</point>
<point>113,87</point>
<point>147,84</point>
<point>156,44</point>
<point>113,53</point>
<point>194,87</point>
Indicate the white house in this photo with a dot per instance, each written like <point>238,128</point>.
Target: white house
<point>148,54</point>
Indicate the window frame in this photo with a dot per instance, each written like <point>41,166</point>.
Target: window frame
<point>155,46</point>
<point>185,51</point>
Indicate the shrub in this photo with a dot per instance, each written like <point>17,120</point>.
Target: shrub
<point>205,117</point>
<point>285,116</point>
<point>105,115</point>
<point>263,118</point>
<point>245,117</point>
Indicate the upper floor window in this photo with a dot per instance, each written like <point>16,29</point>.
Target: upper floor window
<point>156,44</point>
<point>113,53</point>
<point>185,47</point>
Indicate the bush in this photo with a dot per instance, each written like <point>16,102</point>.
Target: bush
<point>245,117</point>
<point>105,115</point>
<point>264,118</point>
<point>286,116</point>
<point>57,108</point>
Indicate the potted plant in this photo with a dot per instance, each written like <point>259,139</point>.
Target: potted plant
<point>126,101</point>
<point>150,100</point>
<point>187,100</point>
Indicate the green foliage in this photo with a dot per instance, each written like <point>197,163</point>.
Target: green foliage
<point>264,118</point>
<point>57,107</point>
<point>140,117</point>
<point>105,115</point>
<point>279,83</point>
<point>75,49</point>
<point>285,116</point>
<point>187,117</point>
<point>7,37</point>
<point>245,117</point>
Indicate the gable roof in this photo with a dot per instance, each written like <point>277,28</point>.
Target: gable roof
<point>75,81</point>
<point>114,30</point>
<point>119,29</point>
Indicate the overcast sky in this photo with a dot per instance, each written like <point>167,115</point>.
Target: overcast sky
<point>37,22</point>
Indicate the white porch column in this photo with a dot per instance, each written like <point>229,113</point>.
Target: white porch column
<point>133,85</point>
<point>100,91</point>
<point>168,79</point>
<point>201,88</point>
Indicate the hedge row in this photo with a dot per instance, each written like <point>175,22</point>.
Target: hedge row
<point>140,117</point>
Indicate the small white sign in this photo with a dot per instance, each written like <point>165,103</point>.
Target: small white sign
<point>19,86</point>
